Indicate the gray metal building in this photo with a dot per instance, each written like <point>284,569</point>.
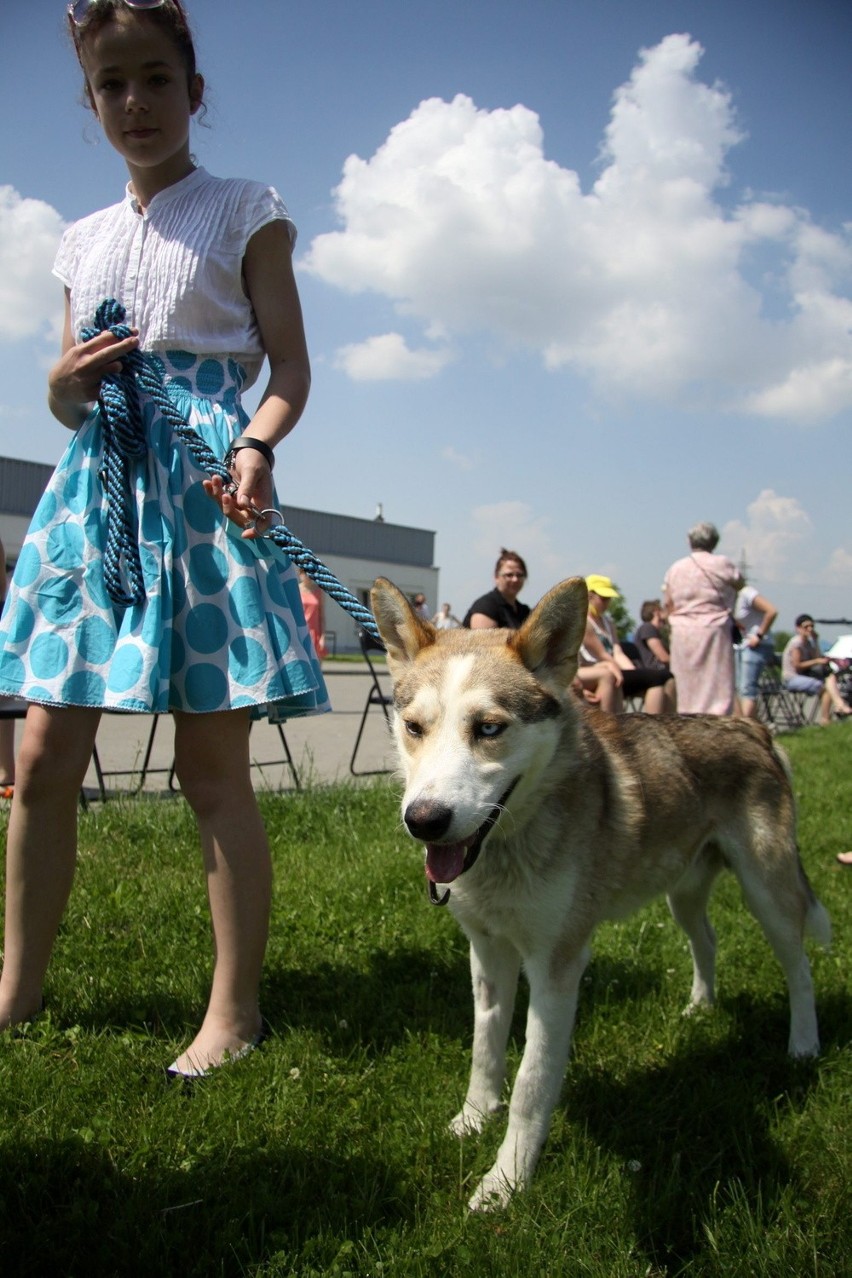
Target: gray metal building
<point>355,550</point>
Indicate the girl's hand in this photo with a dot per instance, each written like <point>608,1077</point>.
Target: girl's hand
<point>76,377</point>
<point>253,479</point>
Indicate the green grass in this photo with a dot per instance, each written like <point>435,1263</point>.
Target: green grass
<point>681,1147</point>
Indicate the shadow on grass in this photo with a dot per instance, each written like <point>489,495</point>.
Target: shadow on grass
<point>400,992</point>
<point>694,1133</point>
<point>65,1208</point>
<point>613,980</point>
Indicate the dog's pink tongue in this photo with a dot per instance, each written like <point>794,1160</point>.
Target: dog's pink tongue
<point>444,861</point>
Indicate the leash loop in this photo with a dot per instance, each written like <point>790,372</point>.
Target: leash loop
<point>124,441</point>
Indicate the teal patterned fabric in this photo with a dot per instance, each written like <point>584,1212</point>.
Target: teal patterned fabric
<point>221,625</point>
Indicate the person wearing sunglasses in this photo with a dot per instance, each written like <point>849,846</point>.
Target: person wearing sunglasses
<point>804,668</point>
<point>203,268</point>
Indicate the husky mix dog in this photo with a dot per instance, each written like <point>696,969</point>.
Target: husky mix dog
<point>541,818</point>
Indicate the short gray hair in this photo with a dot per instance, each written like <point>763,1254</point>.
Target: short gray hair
<point>703,537</point>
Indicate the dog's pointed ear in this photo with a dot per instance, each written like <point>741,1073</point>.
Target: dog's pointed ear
<point>549,641</point>
<point>403,632</point>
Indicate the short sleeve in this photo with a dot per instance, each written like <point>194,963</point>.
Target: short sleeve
<point>64,266</point>
<point>261,205</point>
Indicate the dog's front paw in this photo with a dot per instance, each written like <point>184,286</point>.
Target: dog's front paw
<point>697,1007</point>
<point>492,1193</point>
<point>471,1119</point>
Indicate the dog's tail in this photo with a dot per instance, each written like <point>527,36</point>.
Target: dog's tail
<point>784,760</point>
<point>817,921</point>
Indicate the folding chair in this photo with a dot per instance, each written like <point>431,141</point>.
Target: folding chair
<point>375,697</point>
<point>102,772</point>
<point>778,707</point>
<point>286,758</point>
<point>146,769</point>
<point>255,763</point>
<point>633,702</point>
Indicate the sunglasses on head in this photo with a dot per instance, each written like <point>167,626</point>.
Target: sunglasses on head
<point>78,10</point>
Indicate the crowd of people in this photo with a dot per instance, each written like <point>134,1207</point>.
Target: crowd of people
<point>700,649</point>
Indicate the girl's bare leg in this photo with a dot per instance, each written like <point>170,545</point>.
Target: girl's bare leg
<point>212,757</point>
<point>41,848</point>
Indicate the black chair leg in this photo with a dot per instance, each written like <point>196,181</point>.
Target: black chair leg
<point>99,773</point>
<point>148,752</point>
<point>289,758</point>
<point>367,772</point>
<point>352,767</point>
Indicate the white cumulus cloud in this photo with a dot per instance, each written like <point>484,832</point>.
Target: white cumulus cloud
<point>839,568</point>
<point>388,357</point>
<point>460,461</point>
<point>516,526</point>
<point>30,297</point>
<point>643,283</point>
<point>808,394</point>
<point>773,538</point>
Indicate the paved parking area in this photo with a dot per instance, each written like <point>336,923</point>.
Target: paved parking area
<point>321,746</point>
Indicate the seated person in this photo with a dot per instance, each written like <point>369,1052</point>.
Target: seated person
<point>501,608</point>
<point>653,653</point>
<point>805,669</point>
<point>599,677</point>
<point>654,685</point>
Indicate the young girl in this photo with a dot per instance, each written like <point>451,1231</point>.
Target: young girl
<point>203,268</point>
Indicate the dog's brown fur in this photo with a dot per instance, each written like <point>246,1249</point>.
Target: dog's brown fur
<point>579,817</point>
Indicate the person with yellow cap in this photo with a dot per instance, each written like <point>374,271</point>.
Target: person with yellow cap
<point>601,643</point>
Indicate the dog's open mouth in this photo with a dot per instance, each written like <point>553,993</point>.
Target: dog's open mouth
<point>446,861</point>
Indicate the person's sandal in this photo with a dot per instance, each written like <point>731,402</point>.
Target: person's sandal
<point>175,1075</point>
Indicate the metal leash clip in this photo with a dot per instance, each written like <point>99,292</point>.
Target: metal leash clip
<point>270,513</point>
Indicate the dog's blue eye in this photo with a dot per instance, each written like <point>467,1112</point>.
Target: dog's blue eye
<point>490,729</point>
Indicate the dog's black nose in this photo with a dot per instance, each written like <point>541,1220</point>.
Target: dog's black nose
<point>427,820</point>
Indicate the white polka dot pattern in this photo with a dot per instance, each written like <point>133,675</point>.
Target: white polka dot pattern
<point>221,625</point>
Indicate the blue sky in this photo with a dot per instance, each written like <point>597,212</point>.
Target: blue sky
<point>575,275</point>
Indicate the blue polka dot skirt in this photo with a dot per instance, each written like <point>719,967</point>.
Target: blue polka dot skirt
<point>221,625</point>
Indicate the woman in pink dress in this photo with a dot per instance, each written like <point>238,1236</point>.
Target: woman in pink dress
<point>312,606</point>
<point>700,591</point>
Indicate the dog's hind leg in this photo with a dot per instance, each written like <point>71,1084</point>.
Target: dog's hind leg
<point>550,1023</point>
<point>782,902</point>
<point>688,904</point>
<point>494,968</point>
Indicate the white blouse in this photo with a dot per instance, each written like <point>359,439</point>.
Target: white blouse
<point>177,267</point>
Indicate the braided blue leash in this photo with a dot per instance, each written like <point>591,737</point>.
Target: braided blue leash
<point>124,438</point>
